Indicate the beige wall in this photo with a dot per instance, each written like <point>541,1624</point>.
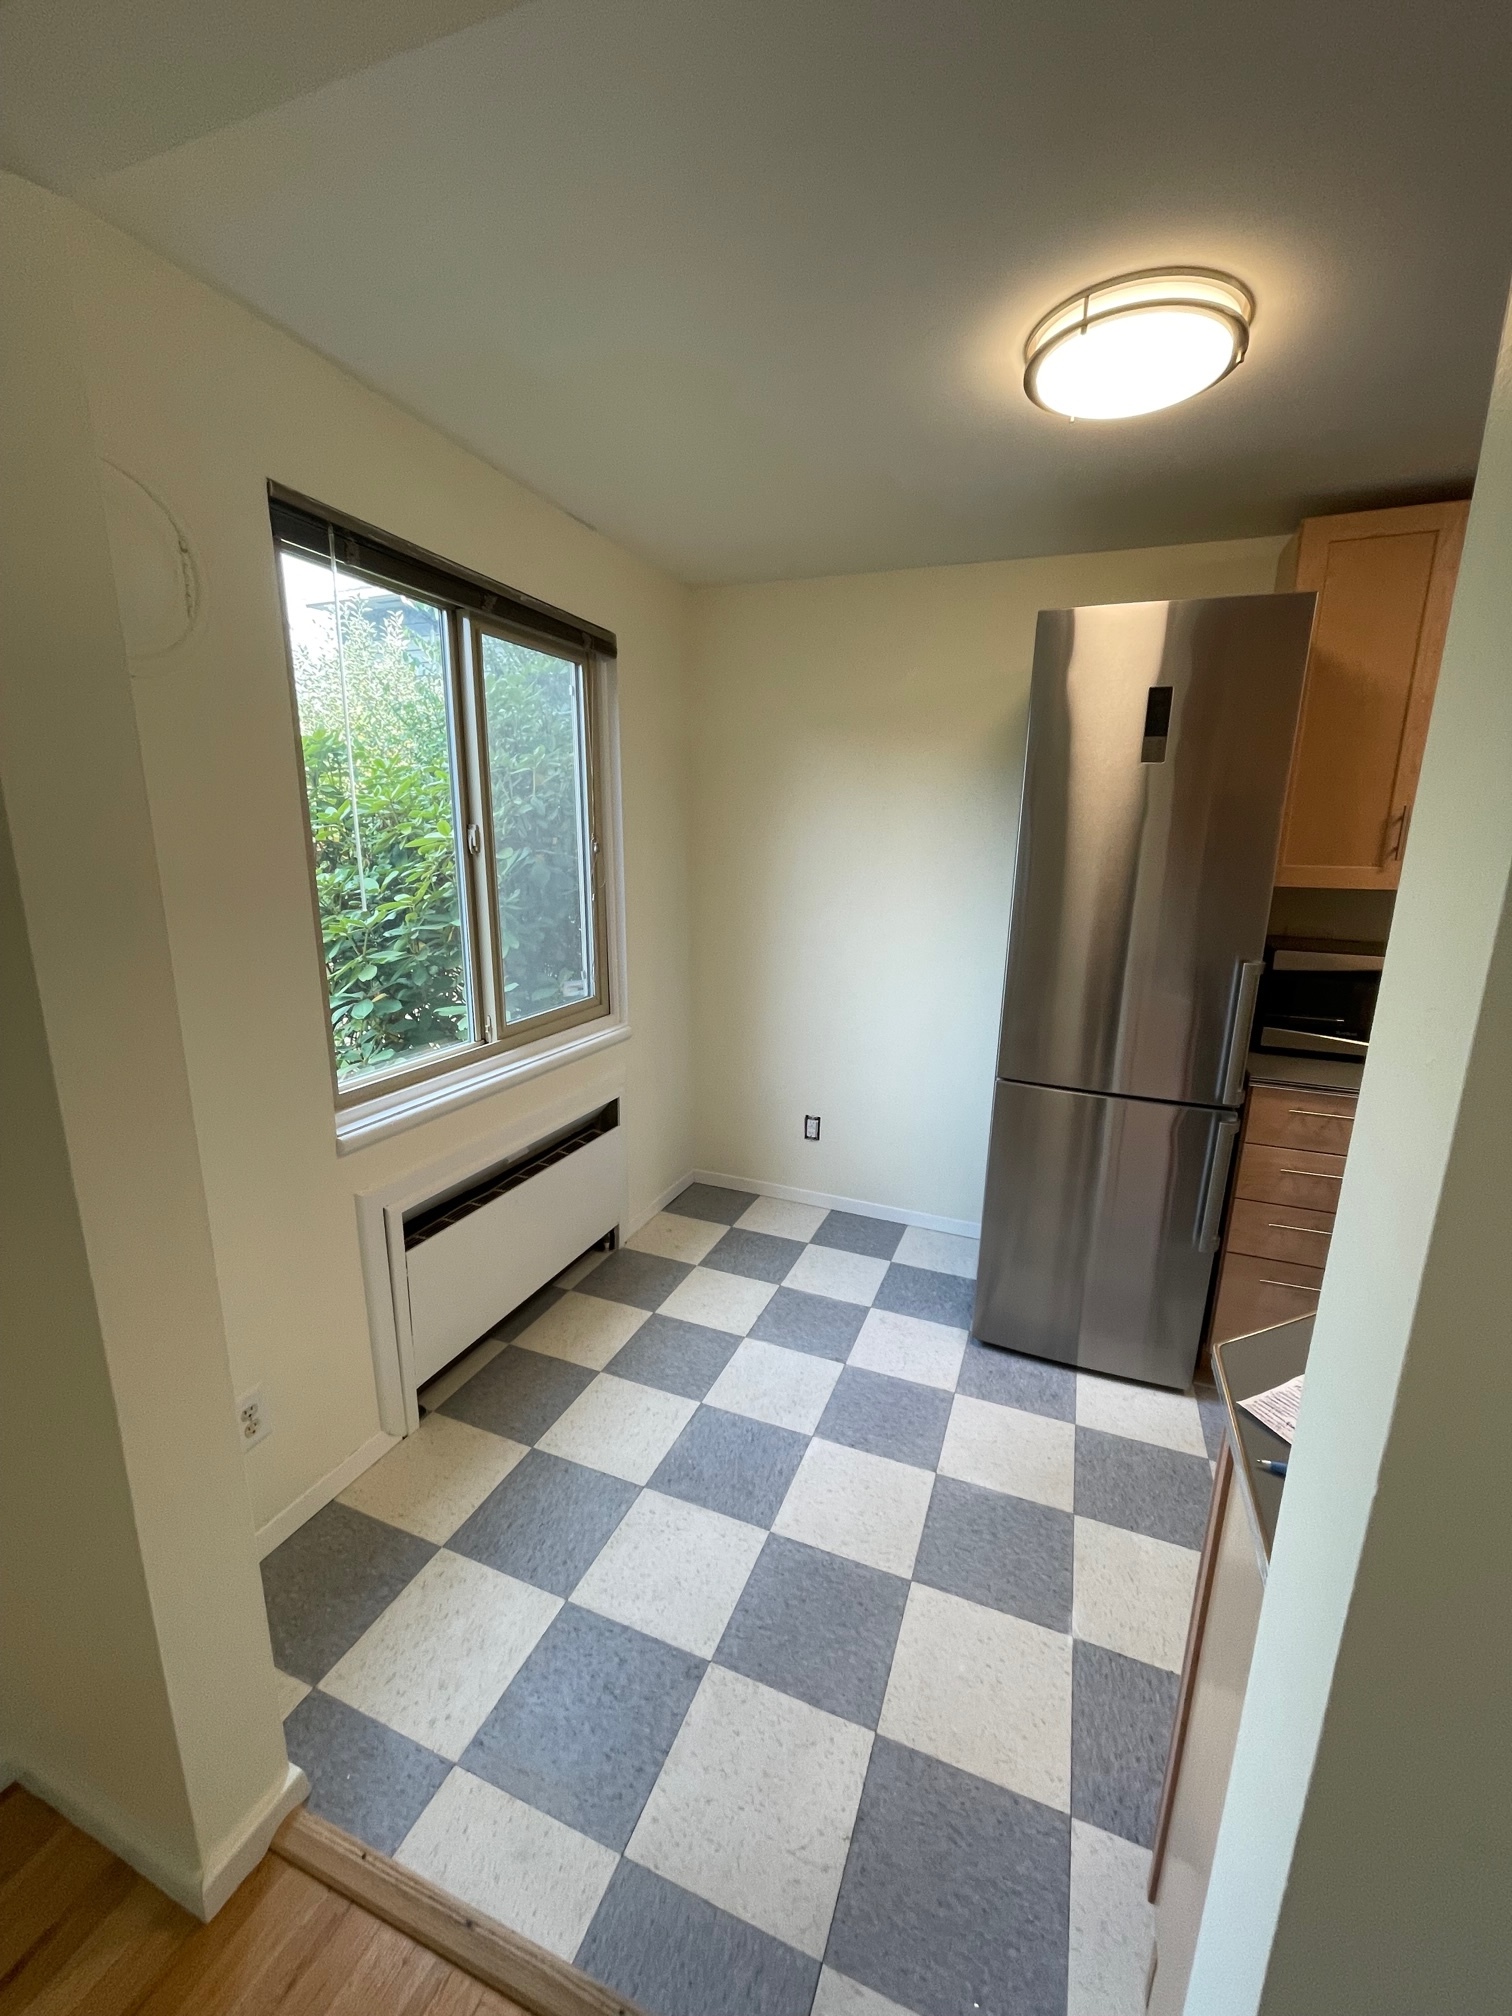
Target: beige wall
<point>136,1680</point>
<point>82,1639</point>
<point>859,752</point>
<point>1364,1863</point>
<point>203,403</point>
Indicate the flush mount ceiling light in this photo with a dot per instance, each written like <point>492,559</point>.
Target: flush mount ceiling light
<point>1138,343</point>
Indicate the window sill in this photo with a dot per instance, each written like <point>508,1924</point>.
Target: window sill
<point>392,1112</point>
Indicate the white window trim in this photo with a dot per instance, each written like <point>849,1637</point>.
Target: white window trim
<point>391,1112</point>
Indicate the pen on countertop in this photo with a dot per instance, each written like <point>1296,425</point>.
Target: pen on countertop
<point>1275,1469</point>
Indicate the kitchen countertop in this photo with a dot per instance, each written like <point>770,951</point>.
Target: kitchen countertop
<point>1245,1366</point>
<point>1318,1074</point>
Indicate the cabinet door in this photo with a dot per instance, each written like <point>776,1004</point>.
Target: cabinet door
<point>1384,581</point>
<point>1253,1294</point>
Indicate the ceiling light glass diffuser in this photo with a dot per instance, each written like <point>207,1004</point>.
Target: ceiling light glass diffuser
<point>1138,343</point>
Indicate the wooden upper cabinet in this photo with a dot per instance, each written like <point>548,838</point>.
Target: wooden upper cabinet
<point>1384,581</point>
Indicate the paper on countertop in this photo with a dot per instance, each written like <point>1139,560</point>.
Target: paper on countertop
<point>1278,1409</point>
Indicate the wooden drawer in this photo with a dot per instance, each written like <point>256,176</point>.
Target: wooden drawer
<point>1280,1232</point>
<point>1289,1176</point>
<point>1279,1117</point>
<point>1254,1293</point>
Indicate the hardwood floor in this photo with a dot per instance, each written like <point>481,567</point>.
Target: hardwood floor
<point>81,1934</point>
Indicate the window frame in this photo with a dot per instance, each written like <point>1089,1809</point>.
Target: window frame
<point>475,609</point>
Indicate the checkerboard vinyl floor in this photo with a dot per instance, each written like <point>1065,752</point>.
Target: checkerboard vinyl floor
<point>747,1633</point>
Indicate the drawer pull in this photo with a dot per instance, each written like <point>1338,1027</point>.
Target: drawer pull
<point>1314,1113</point>
<point>1314,1231</point>
<point>1315,1175</point>
<point>1296,1287</point>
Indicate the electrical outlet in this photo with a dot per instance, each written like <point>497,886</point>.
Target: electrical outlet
<point>252,1423</point>
<point>811,1126</point>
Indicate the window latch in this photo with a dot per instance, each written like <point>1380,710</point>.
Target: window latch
<point>475,840</point>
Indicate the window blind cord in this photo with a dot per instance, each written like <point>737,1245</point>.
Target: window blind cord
<point>346,718</point>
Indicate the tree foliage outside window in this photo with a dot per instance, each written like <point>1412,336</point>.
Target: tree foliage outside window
<point>541,846</point>
<point>372,712</point>
<point>372,680</point>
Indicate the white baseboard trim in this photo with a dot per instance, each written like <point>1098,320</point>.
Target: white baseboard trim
<point>234,1859</point>
<point>963,1228</point>
<point>320,1493</point>
<point>200,1891</point>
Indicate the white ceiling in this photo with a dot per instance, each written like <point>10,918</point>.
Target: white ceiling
<point>745,282</point>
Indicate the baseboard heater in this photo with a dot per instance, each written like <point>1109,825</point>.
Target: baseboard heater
<point>481,1248</point>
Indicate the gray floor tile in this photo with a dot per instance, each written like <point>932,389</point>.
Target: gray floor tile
<point>644,1280</point>
<point>1144,1488</point>
<point>585,1726</point>
<point>1034,1384</point>
<point>921,1291</point>
<point>813,1323</point>
<point>669,1951</point>
<point>363,1776</point>
<point>854,1234</point>
<point>521,1319</point>
<point>713,1202</point>
<point>956,1896</point>
<point>890,1417</point>
<point>1210,1407</point>
<point>329,1581</point>
<point>546,1523</point>
<point>1004,1552</point>
<point>731,1464</point>
<point>518,1394</point>
<point>1121,1713</point>
<point>817,1627</point>
<point>678,1357</point>
<point>760,1255</point>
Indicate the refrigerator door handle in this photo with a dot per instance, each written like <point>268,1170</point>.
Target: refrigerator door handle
<point>1246,988</point>
<point>1211,1216</point>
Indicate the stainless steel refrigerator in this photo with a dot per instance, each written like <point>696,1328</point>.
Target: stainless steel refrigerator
<point>1160,736</point>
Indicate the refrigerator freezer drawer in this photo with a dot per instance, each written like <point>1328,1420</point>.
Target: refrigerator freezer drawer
<point>1097,1229</point>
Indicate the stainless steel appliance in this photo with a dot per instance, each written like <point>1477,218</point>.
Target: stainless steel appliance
<point>1160,735</point>
<point>1318,1000</point>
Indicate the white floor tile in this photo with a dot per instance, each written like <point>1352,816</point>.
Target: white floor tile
<point>1132,1594</point>
<point>619,1426</point>
<point>583,1329</point>
<point>944,1251</point>
<point>985,1691</point>
<point>783,1219</point>
<point>867,1508</point>
<point>435,1478</point>
<point>906,1347</point>
<point>838,1995</point>
<point>1144,1413</point>
<point>290,1692</point>
<point>439,1657</point>
<point>844,1277</point>
<point>1007,1449</point>
<point>722,1301</point>
<point>672,1570</point>
<point>676,1238</point>
<point>1112,1925</point>
<point>507,1860</point>
<point>788,1388</point>
<point>754,1807</point>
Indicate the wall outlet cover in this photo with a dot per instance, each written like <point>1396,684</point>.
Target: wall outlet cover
<point>811,1126</point>
<point>252,1423</point>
